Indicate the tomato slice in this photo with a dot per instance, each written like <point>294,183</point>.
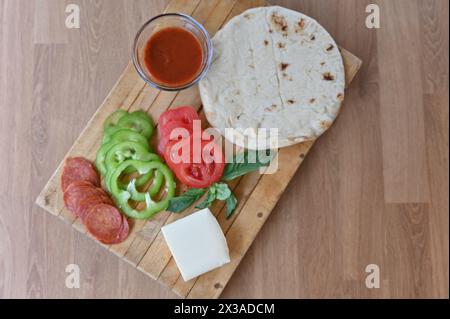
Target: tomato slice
<point>180,117</point>
<point>208,171</point>
<point>184,114</point>
<point>173,125</point>
<point>164,134</point>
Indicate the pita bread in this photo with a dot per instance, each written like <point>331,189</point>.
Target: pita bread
<point>273,68</point>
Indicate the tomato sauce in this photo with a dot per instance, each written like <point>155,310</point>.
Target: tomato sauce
<point>173,56</point>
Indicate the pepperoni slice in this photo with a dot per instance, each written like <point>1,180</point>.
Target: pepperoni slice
<point>84,197</point>
<point>78,169</point>
<point>85,204</point>
<point>104,222</point>
<point>79,191</point>
<point>124,231</point>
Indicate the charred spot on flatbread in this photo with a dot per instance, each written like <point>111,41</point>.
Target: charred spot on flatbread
<point>330,47</point>
<point>311,101</point>
<point>281,45</point>
<point>300,25</point>
<point>266,43</point>
<point>325,124</point>
<point>327,76</point>
<point>291,101</point>
<point>272,108</point>
<point>283,66</point>
<point>280,23</point>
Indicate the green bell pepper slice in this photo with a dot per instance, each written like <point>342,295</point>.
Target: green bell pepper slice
<point>100,158</point>
<point>155,187</point>
<point>114,118</point>
<point>135,183</point>
<point>136,123</point>
<point>142,114</point>
<point>122,197</point>
<point>139,123</point>
<point>122,135</point>
<point>127,150</point>
<point>118,135</point>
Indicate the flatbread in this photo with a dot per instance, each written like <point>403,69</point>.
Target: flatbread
<point>273,68</point>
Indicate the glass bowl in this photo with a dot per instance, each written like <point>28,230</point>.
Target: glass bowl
<point>171,20</point>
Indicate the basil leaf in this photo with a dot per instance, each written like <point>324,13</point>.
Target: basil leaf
<point>180,203</point>
<point>222,191</point>
<point>245,163</point>
<point>212,189</point>
<point>209,199</point>
<point>231,205</point>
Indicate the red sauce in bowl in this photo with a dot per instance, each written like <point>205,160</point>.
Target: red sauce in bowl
<point>173,56</point>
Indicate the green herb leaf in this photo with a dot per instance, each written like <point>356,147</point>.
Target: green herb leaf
<point>244,163</point>
<point>222,191</point>
<point>231,205</point>
<point>210,198</point>
<point>180,203</point>
<point>213,189</point>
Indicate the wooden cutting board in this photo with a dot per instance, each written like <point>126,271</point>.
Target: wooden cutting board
<point>257,194</point>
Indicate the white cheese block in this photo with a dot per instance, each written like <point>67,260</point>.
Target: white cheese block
<point>197,244</point>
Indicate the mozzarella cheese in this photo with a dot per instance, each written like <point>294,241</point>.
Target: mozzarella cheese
<point>197,244</point>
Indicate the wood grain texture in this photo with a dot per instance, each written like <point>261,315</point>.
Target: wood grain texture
<point>49,22</point>
<point>349,205</point>
<point>402,116</point>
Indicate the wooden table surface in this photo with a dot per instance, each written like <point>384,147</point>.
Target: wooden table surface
<point>372,191</point>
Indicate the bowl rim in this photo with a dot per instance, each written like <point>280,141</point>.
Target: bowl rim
<point>200,76</point>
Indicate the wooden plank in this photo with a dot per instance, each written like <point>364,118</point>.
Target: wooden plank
<point>49,22</point>
<point>352,64</point>
<point>145,248</point>
<point>402,116</point>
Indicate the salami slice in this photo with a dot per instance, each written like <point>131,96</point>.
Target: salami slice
<point>104,222</point>
<point>124,231</point>
<point>79,191</point>
<point>78,169</point>
<point>85,204</point>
